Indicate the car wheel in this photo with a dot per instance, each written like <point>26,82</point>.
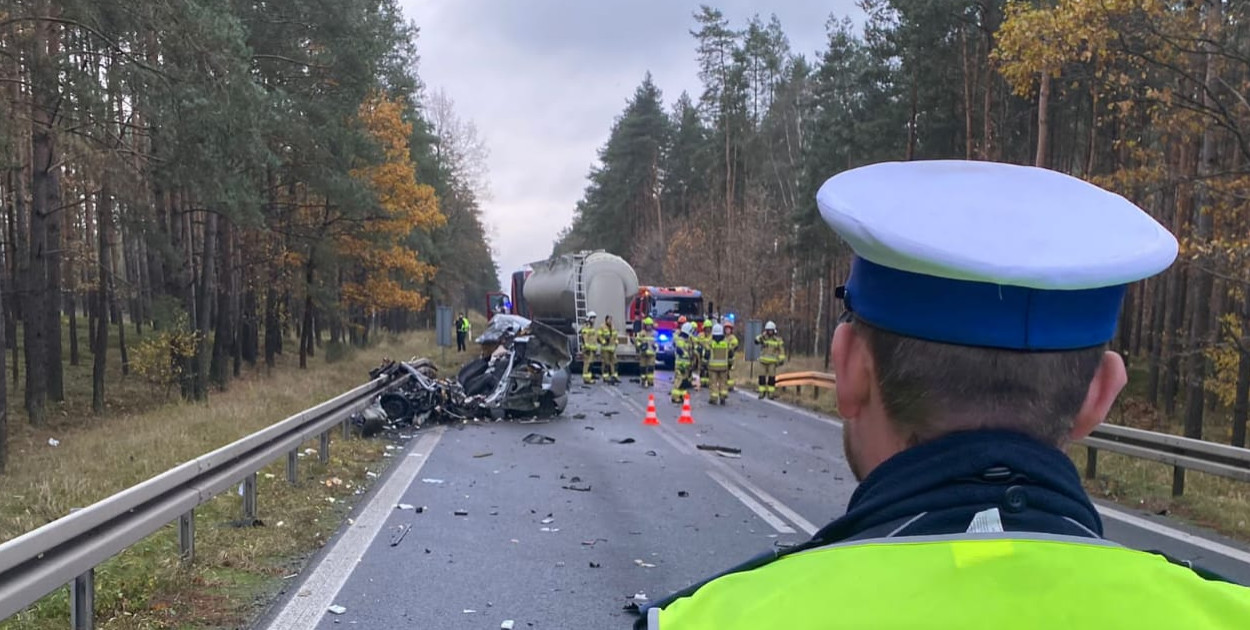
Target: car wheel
<point>397,407</point>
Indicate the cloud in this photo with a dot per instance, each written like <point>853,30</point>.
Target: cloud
<point>544,79</point>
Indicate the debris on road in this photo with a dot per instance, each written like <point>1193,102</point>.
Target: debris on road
<point>433,481</point>
<point>399,536</point>
<point>635,603</point>
<point>723,451</point>
<point>609,414</point>
<point>547,520</point>
<point>403,506</point>
<point>683,494</point>
<point>538,438</point>
<point>419,509</point>
<point>469,611</point>
<point>461,513</point>
<point>577,487</point>
<point>588,428</point>
<point>336,609</point>
<point>595,565</point>
<point>481,455</point>
<point>507,624</point>
<point>627,440</point>
<point>645,565</point>
<point>651,453</point>
<point>579,416</point>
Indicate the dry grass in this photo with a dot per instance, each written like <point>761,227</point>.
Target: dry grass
<point>236,570</point>
<point>1211,501</point>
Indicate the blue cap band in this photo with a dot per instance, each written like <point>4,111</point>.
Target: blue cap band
<point>983,314</point>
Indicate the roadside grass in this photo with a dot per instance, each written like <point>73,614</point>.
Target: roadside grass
<point>1211,501</point>
<point>236,570</point>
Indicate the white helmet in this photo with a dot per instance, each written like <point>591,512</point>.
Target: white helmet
<point>718,330</point>
<point>770,326</point>
<point>591,315</point>
<point>687,328</point>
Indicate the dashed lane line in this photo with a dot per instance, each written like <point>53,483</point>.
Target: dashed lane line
<point>752,504</point>
<point>323,584</point>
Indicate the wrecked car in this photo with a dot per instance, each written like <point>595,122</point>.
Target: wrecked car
<point>522,372</point>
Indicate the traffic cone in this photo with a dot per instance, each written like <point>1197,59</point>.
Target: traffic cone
<point>686,417</point>
<point>651,419</point>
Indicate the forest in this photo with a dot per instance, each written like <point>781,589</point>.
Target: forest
<point>230,181</point>
<point>1147,98</point>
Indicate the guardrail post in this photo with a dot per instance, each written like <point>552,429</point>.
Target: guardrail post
<point>1178,481</point>
<point>249,498</point>
<point>815,393</point>
<point>347,427</point>
<point>292,466</point>
<point>82,601</point>
<point>186,536</point>
<point>1091,462</point>
<point>323,450</point>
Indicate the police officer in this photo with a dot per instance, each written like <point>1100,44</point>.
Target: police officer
<point>590,347</point>
<point>683,351</point>
<point>716,354</point>
<point>974,349</point>
<point>607,351</point>
<point>463,330</point>
<point>772,356</point>
<point>733,350</point>
<point>644,342</point>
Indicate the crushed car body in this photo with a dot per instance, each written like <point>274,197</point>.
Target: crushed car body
<point>522,372</point>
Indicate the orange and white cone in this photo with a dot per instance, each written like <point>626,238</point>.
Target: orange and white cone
<point>651,419</point>
<point>686,417</point>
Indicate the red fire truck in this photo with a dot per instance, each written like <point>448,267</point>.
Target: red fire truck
<point>666,305</point>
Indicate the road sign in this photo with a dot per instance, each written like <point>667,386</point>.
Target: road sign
<point>442,326</point>
<point>755,328</point>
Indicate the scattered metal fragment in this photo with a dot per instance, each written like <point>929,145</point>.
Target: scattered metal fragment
<point>627,440</point>
<point>579,416</point>
<point>595,565</point>
<point>609,414</point>
<point>683,494</point>
<point>507,624</point>
<point>461,513</point>
<point>336,609</point>
<point>538,438</point>
<point>719,449</point>
<point>433,481</point>
<point>588,428</point>
<point>399,536</point>
<point>643,564</point>
<point>577,487</point>
<point>651,453</point>
<point>403,506</point>
<point>481,455</point>
<point>547,520</point>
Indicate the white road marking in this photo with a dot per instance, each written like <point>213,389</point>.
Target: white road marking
<point>324,583</point>
<point>792,409</point>
<point>751,504</point>
<point>1176,534</point>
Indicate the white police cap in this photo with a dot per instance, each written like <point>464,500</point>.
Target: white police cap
<point>989,254</point>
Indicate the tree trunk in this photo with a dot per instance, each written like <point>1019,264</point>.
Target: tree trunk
<point>968,79</point>
<point>208,271</point>
<point>101,336</point>
<point>73,330</point>
<point>1156,344</point>
<point>45,95</point>
<point>1200,318</point>
<point>1241,404</point>
<point>305,337</point>
<point>1043,122</point>
<point>223,338</point>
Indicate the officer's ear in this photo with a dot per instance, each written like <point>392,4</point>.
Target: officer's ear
<point>1109,379</point>
<point>852,365</point>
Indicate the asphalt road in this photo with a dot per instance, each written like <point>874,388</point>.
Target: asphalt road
<point>560,535</point>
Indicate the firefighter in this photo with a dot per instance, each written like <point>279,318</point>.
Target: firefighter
<point>590,347</point>
<point>464,330</point>
<point>772,356</point>
<point>683,353</point>
<point>733,349</point>
<point>716,355</point>
<point>607,351</point>
<point>644,341</point>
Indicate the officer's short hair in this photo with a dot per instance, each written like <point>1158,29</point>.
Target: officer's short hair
<point>930,389</point>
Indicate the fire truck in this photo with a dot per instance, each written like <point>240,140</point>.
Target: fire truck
<point>666,305</point>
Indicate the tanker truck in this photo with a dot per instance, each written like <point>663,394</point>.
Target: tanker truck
<point>560,291</point>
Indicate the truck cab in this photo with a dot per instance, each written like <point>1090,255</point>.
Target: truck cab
<point>666,305</point>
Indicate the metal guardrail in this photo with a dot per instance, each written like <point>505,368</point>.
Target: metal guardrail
<point>67,550</point>
<point>1181,453</point>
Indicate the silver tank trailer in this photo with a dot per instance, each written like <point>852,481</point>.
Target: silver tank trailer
<point>609,283</point>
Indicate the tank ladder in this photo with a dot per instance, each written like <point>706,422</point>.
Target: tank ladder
<point>579,295</point>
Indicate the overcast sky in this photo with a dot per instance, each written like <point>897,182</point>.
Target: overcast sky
<point>543,80</point>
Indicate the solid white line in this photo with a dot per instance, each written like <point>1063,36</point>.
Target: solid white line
<point>1164,530</point>
<point>323,584</point>
<point>791,408</point>
<point>751,504</point>
<point>768,499</point>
